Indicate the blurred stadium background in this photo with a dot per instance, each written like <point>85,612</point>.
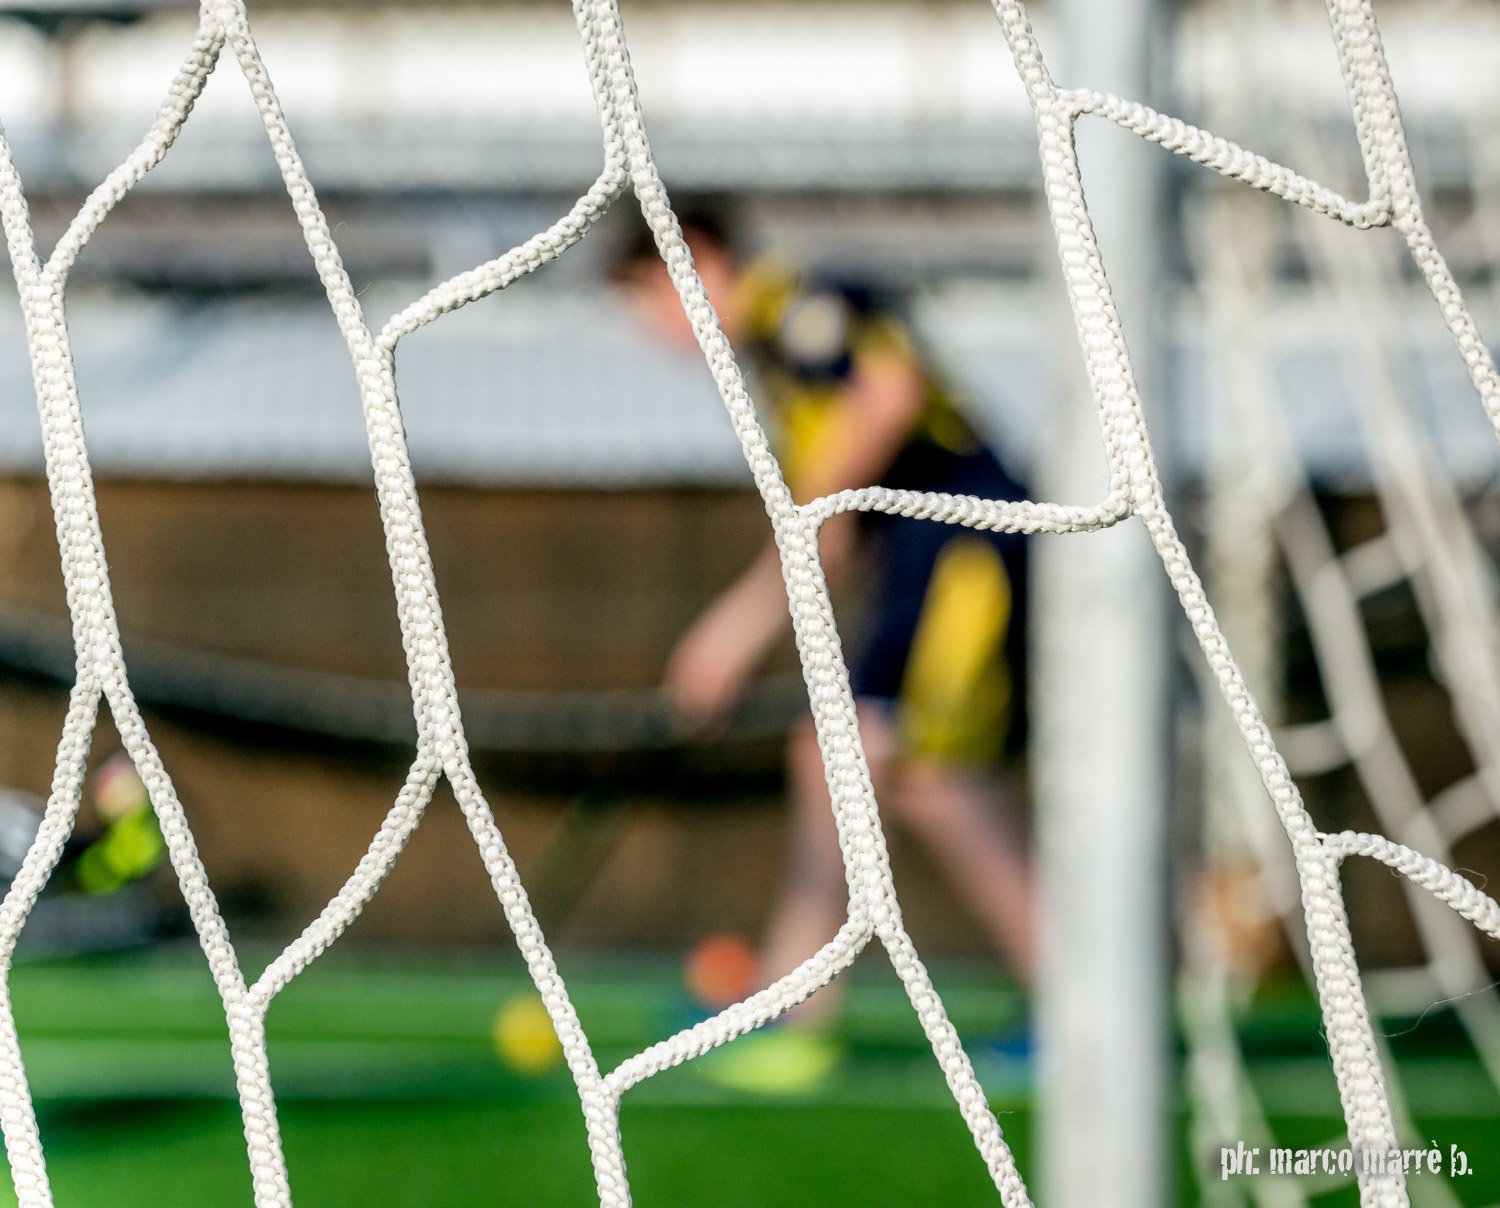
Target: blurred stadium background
<point>584,497</point>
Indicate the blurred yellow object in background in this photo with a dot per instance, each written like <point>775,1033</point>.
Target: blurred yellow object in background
<point>524,1038</point>
<point>956,693</point>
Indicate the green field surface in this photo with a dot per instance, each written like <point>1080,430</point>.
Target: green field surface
<point>391,1093</point>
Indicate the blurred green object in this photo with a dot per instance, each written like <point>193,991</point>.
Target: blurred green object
<point>131,845</point>
<point>774,1061</point>
<point>126,852</point>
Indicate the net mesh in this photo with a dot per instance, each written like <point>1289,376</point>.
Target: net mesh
<point>1266,522</point>
<point>873,913</point>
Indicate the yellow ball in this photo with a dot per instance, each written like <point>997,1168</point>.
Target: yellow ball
<point>524,1038</point>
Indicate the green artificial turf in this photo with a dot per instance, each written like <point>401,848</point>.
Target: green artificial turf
<point>391,1094</point>
<point>461,1155</point>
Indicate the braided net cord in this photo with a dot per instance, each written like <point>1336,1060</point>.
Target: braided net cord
<point>1265,511</point>
<point>873,912</point>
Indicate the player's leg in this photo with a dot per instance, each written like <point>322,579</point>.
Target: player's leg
<point>971,824</point>
<point>954,709</point>
<point>815,898</point>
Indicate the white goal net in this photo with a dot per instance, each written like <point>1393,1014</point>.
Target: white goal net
<point>1415,848</point>
<point>1265,523</point>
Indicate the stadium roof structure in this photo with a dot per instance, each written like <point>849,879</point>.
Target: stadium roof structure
<point>265,389</point>
<point>562,389</point>
<point>905,94</point>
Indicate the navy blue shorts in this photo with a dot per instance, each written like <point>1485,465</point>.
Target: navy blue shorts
<point>905,552</point>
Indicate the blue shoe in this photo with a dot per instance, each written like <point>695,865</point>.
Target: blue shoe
<point>1003,1063</point>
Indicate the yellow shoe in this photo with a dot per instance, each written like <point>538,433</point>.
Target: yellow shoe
<point>775,1061</point>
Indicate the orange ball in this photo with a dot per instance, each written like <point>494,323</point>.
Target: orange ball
<point>721,970</point>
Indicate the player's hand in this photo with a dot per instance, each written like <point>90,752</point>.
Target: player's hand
<point>707,672</point>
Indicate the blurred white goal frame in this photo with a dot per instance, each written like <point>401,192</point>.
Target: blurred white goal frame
<point>874,913</point>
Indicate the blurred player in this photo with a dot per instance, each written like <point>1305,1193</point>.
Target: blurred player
<point>851,403</point>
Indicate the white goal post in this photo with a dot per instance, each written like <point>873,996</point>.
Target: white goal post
<point>1101,634</point>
